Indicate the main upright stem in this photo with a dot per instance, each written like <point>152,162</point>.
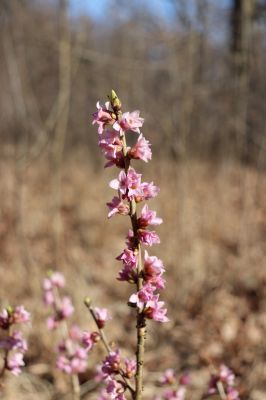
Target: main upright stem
<point>141,321</point>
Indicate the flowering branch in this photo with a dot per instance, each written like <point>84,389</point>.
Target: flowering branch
<point>112,128</point>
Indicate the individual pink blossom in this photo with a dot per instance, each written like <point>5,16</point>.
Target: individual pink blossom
<point>128,273</point>
<point>155,310</point>
<point>129,122</point>
<point>116,206</point>
<point>232,394</point>
<point>66,307</point>
<point>111,364</point>
<point>72,358</point>
<point>102,116</point>
<point>111,146</point>
<point>115,389</point>
<point>143,296</point>
<point>14,363</point>
<point>185,379</point>
<point>148,237</point>
<point>55,279</point>
<point>89,339</point>
<point>128,257</point>
<point>20,315</point>
<point>102,315</point>
<point>48,297</point>
<point>14,341</point>
<point>148,217</point>
<point>130,368</point>
<point>168,378</point>
<point>141,150</point>
<point>127,184</point>
<point>152,271</point>
<point>146,191</point>
<point>227,378</point>
<point>4,319</point>
<point>178,394</point>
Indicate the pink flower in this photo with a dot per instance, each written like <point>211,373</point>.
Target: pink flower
<point>141,150</point>
<point>102,315</point>
<point>102,117</point>
<point>117,206</point>
<point>130,368</point>
<point>129,122</point>
<point>4,319</point>
<point>128,257</point>
<point>178,394</point>
<point>152,270</point>
<point>127,184</point>
<point>185,379</point>
<point>111,364</point>
<point>148,237</point>
<point>143,296</point>
<point>72,363</point>
<point>57,280</point>
<point>112,146</point>
<point>128,273</point>
<point>154,310</point>
<point>148,217</point>
<point>232,394</point>
<point>20,315</point>
<point>66,307</point>
<point>168,377</point>
<point>115,389</point>
<point>146,191</point>
<point>87,340</point>
<point>48,297</point>
<point>14,363</point>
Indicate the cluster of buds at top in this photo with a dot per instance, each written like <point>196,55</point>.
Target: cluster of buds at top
<point>72,351</point>
<point>13,343</point>
<point>223,384</point>
<point>112,128</point>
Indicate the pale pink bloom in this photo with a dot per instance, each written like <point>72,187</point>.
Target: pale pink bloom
<point>148,217</point>
<point>102,315</point>
<point>153,270</point>
<point>128,273</point>
<point>112,146</point>
<point>117,206</point>
<point>128,257</point>
<point>154,310</point>
<point>168,378</point>
<point>14,342</point>
<point>148,237</point>
<point>87,340</point>
<point>75,333</point>
<point>57,279</point>
<point>20,315</point>
<point>178,394</point>
<point>141,150</point>
<point>102,116</point>
<point>66,307</point>
<point>111,364</point>
<point>4,319</point>
<point>52,323</point>
<point>226,375</point>
<point>185,379</point>
<point>143,296</point>
<point>115,389</point>
<point>130,367</point>
<point>99,375</point>
<point>48,297</point>
<point>232,394</point>
<point>73,363</point>
<point>127,184</point>
<point>146,191</point>
<point>129,122</point>
<point>14,363</point>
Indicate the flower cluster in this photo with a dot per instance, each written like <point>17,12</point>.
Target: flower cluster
<point>226,378</point>
<point>112,128</point>
<point>112,370</point>
<point>13,342</point>
<point>169,379</point>
<point>72,351</point>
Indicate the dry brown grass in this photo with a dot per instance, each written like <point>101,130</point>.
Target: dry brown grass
<point>213,246</point>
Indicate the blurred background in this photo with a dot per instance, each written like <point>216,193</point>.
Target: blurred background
<point>196,70</point>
